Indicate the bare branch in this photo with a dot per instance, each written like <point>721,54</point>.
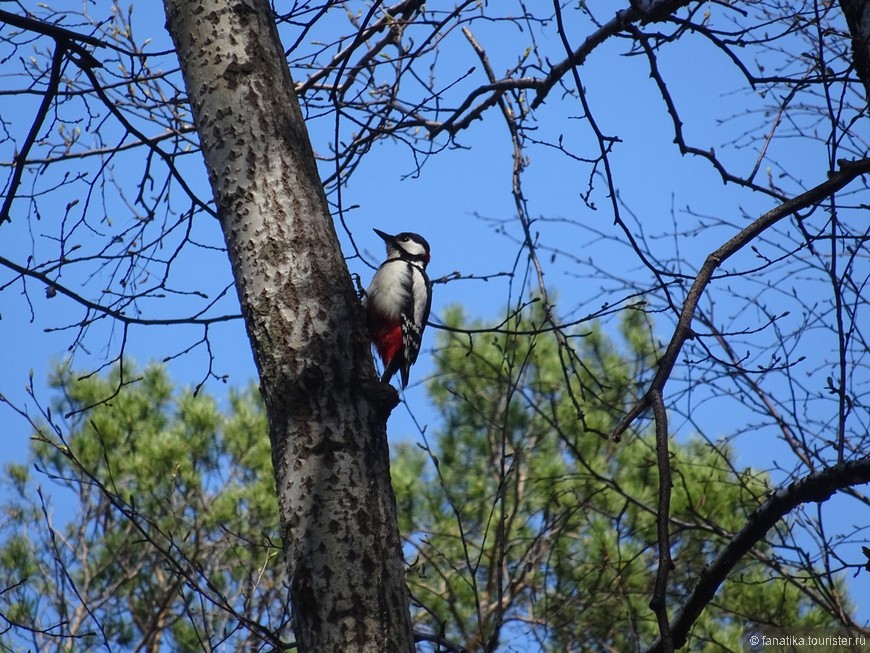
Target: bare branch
<point>849,170</point>
<point>817,487</point>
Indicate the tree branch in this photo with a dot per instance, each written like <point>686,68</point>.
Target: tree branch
<point>849,170</point>
<point>817,487</point>
<point>656,10</point>
<point>106,310</point>
<point>20,161</point>
<point>48,29</point>
<point>658,603</point>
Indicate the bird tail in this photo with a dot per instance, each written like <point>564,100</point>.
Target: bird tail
<point>395,365</point>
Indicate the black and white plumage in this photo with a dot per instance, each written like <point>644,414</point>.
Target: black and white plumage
<point>398,303</point>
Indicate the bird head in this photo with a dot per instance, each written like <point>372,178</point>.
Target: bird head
<point>406,245</point>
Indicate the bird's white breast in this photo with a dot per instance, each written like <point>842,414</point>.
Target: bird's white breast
<point>392,287</point>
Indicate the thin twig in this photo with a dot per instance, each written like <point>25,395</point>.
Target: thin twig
<point>849,170</point>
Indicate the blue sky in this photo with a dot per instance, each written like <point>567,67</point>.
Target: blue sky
<point>442,203</point>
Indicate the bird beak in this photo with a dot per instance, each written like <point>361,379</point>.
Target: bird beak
<point>387,238</point>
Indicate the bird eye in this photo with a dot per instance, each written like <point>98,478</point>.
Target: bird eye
<point>404,239</point>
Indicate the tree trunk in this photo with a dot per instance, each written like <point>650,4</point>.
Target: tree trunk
<point>327,413</point>
<point>857,14</point>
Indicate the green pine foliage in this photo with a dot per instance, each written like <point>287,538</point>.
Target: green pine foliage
<point>526,528</point>
<point>161,533</point>
<point>525,523</point>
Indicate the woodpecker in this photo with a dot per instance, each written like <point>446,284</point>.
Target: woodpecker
<point>398,302</point>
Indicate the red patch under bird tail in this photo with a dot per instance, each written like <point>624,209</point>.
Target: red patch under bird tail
<point>388,342</point>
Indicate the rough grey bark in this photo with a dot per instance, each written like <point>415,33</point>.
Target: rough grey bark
<point>326,410</point>
<point>857,14</point>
